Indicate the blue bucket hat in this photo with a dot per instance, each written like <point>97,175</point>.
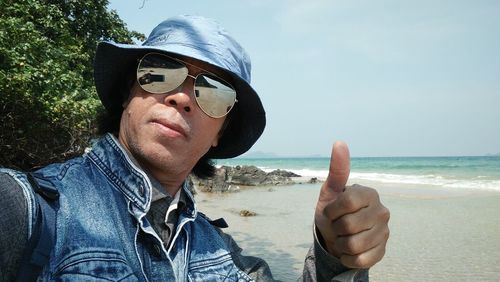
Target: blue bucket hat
<point>204,40</point>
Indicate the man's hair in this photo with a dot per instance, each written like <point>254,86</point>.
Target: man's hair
<point>108,122</point>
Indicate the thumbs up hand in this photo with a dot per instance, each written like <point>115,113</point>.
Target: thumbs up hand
<point>352,222</point>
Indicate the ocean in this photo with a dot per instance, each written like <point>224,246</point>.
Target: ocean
<point>445,172</point>
<point>444,215</point>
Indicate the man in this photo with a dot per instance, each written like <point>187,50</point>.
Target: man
<point>125,211</point>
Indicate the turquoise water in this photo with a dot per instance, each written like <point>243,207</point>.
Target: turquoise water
<point>450,172</point>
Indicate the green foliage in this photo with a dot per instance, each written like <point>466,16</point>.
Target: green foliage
<point>48,101</point>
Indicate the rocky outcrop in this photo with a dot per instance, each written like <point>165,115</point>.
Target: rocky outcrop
<point>313,180</point>
<point>228,178</point>
<point>247,213</point>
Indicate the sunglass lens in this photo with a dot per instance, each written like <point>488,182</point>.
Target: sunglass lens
<point>215,97</point>
<point>160,74</point>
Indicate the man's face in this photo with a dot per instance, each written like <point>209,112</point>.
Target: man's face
<point>168,133</point>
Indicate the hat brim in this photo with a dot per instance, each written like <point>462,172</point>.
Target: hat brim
<point>247,118</point>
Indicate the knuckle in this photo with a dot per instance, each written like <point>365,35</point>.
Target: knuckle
<point>385,214</point>
<point>387,233</point>
<point>363,188</point>
<point>373,194</point>
<point>379,255</point>
<point>351,246</point>
<point>370,193</point>
<point>360,261</point>
<point>347,201</point>
<point>343,226</point>
<point>356,186</point>
<point>350,228</point>
<point>382,253</point>
<point>363,260</point>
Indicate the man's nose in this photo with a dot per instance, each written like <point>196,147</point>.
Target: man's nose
<point>182,98</point>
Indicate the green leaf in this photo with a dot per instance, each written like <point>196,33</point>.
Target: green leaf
<point>47,96</point>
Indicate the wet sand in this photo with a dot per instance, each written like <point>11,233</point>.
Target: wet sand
<point>436,234</point>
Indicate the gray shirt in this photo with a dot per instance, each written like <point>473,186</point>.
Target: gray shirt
<point>164,211</point>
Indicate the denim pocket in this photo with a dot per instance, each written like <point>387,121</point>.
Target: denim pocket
<point>221,268</point>
<point>94,265</point>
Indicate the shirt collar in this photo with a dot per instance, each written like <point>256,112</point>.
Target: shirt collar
<point>137,185</point>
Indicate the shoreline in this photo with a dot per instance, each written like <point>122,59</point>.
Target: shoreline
<point>436,233</point>
<point>394,189</point>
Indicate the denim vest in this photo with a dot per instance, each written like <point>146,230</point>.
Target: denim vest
<point>102,231</point>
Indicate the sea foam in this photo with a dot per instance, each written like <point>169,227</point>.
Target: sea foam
<point>429,179</point>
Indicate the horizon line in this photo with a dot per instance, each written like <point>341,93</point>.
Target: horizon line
<point>276,156</point>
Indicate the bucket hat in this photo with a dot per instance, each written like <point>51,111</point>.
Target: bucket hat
<point>202,39</point>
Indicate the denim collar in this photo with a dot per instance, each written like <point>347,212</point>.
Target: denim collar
<point>127,176</point>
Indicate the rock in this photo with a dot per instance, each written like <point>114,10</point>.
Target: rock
<point>284,173</point>
<point>217,183</point>
<point>233,188</point>
<point>280,177</point>
<point>229,179</point>
<point>246,213</point>
<point>247,176</point>
<point>313,180</point>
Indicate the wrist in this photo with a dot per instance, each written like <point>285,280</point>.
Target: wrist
<point>328,247</point>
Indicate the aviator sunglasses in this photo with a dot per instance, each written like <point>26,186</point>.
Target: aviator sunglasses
<point>159,74</point>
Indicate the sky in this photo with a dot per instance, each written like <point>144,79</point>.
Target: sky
<point>390,78</point>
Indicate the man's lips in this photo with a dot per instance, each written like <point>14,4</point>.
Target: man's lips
<point>171,127</point>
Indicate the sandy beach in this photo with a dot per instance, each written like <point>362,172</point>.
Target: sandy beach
<point>437,234</point>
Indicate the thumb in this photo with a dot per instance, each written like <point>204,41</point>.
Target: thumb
<point>340,166</point>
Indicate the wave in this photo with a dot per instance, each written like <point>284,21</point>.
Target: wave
<point>305,173</point>
<point>442,178</point>
<point>478,182</point>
